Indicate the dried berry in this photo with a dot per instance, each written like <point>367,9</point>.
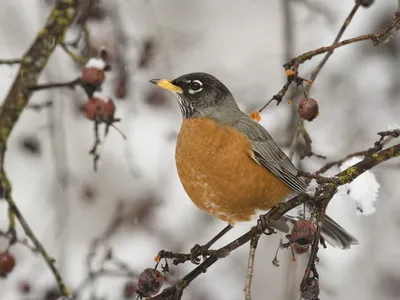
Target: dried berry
<point>308,109</point>
<point>150,282</point>
<point>7,263</point>
<point>93,76</point>
<point>94,108</point>
<point>303,232</point>
<point>311,289</point>
<point>129,290</point>
<point>302,235</point>
<point>366,3</point>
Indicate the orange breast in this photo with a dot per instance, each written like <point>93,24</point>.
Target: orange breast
<point>217,171</point>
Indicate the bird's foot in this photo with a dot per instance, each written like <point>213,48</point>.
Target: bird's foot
<point>264,223</point>
<point>197,251</point>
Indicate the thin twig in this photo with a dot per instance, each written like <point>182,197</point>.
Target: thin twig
<point>75,57</point>
<point>38,245</point>
<point>14,240</point>
<point>375,37</point>
<point>386,137</point>
<point>345,24</point>
<point>10,61</point>
<point>69,84</point>
<point>250,266</point>
<point>31,66</point>
<point>300,123</point>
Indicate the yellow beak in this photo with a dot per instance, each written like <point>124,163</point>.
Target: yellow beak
<point>167,84</point>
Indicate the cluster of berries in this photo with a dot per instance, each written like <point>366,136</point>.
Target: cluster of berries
<point>98,108</point>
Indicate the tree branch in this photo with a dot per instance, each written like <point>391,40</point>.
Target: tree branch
<point>250,266</point>
<point>31,66</point>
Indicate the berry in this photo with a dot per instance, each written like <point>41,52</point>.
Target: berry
<point>7,263</point>
<point>302,235</point>
<point>94,108</point>
<point>97,108</point>
<point>308,109</point>
<point>150,282</point>
<point>93,76</point>
<point>303,232</point>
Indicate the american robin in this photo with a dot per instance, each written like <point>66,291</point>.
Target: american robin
<point>228,164</point>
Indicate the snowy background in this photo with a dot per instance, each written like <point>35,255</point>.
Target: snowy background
<point>244,44</point>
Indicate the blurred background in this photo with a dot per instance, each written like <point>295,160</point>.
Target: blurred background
<point>244,43</point>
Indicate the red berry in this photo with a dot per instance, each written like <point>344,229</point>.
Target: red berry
<point>7,263</point>
<point>109,110</point>
<point>94,108</point>
<point>129,290</point>
<point>93,76</point>
<point>308,109</point>
<point>150,282</point>
<point>303,232</point>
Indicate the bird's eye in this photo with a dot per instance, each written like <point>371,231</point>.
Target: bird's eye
<point>195,86</point>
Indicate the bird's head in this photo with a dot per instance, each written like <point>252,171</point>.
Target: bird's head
<point>198,93</point>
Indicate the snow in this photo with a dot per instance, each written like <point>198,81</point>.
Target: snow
<point>97,63</point>
<point>242,43</point>
<point>101,95</point>
<point>363,190</point>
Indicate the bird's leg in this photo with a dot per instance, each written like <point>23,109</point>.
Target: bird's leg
<point>198,250</point>
<point>265,224</point>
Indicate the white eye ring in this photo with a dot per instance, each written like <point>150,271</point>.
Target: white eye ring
<point>199,89</point>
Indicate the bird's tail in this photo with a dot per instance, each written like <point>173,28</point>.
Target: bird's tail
<point>336,235</point>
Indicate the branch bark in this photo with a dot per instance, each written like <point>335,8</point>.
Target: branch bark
<point>32,64</point>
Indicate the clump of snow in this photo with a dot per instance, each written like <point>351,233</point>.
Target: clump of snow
<point>312,187</point>
<point>101,96</point>
<point>96,62</point>
<point>363,190</point>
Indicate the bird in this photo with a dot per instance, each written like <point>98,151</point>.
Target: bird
<point>228,164</point>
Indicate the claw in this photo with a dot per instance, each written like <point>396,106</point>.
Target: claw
<point>264,223</point>
<point>196,252</point>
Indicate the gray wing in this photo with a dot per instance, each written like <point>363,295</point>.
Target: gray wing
<point>268,154</point>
